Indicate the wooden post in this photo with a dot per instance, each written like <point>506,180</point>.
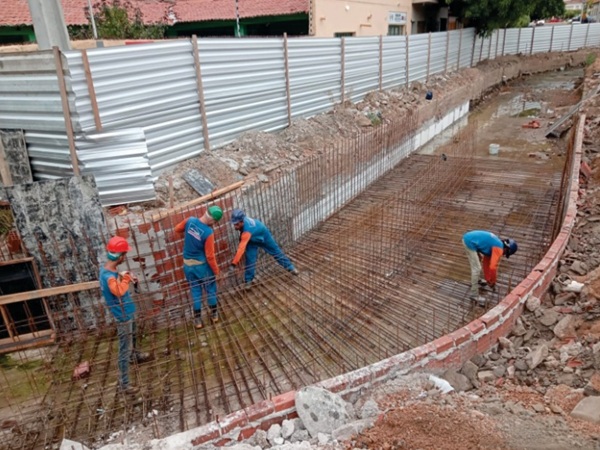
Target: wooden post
<point>497,41</point>
<point>532,41</point>
<point>287,78</point>
<point>447,50</point>
<point>91,89</point>
<point>380,62</point>
<point>504,42</point>
<point>171,194</point>
<point>407,59</point>
<point>481,50</point>
<point>473,50</point>
<point>66,112</point>
<point>428,58</point>
<point>490,48</point>
<point>519,41</point>
<point>551,39</point>
<point>343,74</point>
<point>200,92</point>
<point>4,169</point>
<point>459,49</point>
<point>570,36</point>
<point>587,32</point>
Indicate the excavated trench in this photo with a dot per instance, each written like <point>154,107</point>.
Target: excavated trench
<point>385,273</point>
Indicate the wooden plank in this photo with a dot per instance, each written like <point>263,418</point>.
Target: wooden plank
<point>286,60</point>
<point>199,200</point>
<point>200,87</point>
<point>49,292</point>
<point>91,90</point>
<point>4,169</point>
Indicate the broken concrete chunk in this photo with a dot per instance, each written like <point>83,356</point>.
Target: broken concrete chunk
<point>532,303</point>
<point>68,444</point>
<point>458,381</point>
<point>536,357</point>
<point>321,411</point>
<point>565,327</point>
<point>549,318</point>
<point>198,182</point>
<point>588,409</point>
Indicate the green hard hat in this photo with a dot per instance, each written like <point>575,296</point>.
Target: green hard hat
<point>215,212</point>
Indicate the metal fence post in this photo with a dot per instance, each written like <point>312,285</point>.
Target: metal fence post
<point>504,42</point>
<point>428,58</point>
<point>570,36</point>
<point>532,41</point>
<point>587,32</point>
<point>473,50</point>
<point>459,49</point>
<point>200,88</point>
<point>407,59</point>
<point>519,41</point>
<point>447,50</point>
<point>287,78</point>
<point>343,63</point>
<point>551,39</point>
<point>65,107</point>
<point>380,62</point>
<point>497,33</point>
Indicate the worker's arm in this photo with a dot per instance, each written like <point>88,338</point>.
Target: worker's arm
<point>244,239</point>
<point>119,288</point>
<point>490,265</point>
<point>209,251</point>
<point>180,227</point>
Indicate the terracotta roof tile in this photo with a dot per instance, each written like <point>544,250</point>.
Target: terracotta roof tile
<point>16,12</point>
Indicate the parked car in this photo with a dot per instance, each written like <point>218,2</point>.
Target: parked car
<point>576,19</point>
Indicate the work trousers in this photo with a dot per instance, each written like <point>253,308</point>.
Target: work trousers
<point>475,264</point>
<point>201,279</point>
<point>270,246</point>
<point>126,334</point>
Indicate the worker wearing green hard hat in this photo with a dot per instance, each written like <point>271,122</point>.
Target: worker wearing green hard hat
<point>199,261</point>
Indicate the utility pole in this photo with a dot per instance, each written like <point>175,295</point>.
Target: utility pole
<point>237,19</point>
<point>49,24</point>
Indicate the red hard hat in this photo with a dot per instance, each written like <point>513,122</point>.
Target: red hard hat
<point>117,244</point>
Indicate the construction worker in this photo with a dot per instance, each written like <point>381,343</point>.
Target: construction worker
<point>485,246</point>
<point>115,289</point>
<point>254,235</point>
<point>199,261</point>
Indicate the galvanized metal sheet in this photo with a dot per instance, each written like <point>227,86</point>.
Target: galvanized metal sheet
<point>579,36</point>
<point>315,75</point>
<point>512,41</point>
<point>49,154</point>
<point>560,39</point>
<point>244,86</point>
<point>417,57</point>
<point>468,37</point>
<point>361,70</point>
<point>438,54</point>
<point>118,160</point>
<point>29,92</point>
<point>594,35</point>
<point>541,39</point>
<point>454,38</point>
<point>394,61</point>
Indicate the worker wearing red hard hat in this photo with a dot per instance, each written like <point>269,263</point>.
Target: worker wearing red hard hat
<point>199,260</point>
<point>485,248</point>
<point>115,289</point>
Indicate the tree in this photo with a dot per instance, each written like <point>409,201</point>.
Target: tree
<point>548,8</point>
<point>119,19</point>
<point>489,15</point>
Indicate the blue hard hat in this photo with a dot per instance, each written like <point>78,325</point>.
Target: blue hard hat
<point>512,247</point>
<point>237,216</point>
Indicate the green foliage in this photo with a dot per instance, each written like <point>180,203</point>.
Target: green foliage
<point>590,59</point>
<point>119,19</point>
<point>489,15</point>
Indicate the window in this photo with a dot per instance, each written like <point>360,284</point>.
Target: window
<point>344,34</point>
<point>395,30</point>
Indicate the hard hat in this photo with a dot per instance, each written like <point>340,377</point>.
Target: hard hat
<point>116,247</point>
<point>237,216</point>
<point>512,247</point>
<point>215,212</point>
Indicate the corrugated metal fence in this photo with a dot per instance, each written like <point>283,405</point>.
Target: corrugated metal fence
<point>169,101</point>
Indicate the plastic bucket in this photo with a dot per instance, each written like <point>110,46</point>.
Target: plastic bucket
<point>494,149</point>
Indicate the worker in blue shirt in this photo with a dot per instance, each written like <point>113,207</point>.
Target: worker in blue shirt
<point>487,248</point>
<point>255,235</point>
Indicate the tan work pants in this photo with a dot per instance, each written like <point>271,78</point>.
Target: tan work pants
<point>475,264</point>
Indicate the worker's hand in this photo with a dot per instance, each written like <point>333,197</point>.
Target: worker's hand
<point>131,275</point>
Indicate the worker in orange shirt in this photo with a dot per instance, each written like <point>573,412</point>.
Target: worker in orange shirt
<point>254,235</point>
<point>199,261</point>
<point>487,248</point>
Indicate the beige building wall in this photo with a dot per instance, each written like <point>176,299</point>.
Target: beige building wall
<point>361,17</point>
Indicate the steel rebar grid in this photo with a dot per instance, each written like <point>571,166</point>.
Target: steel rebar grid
<point>385,273</point>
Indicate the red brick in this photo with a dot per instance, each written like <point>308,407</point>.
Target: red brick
<point>159,254</point>
<point>82,371</point>
<point>461,336</point>
<point>123,232</point>
<point>510,301</point>
<point>423,351</point>
<point>223,442</point>
<point>292,415</point>
<point>267,423</point>
<point>234,420</point>
<point>259,410</point>
<point>205,437</point>
<point>246,433</point>
<point>284,401</point>
<point>144,227</point>
<point>476,326</point>
<point>485,343</point>
<point>585,169</point>
<point>443,343</point>
<point>156,226</point>
<point>490,318</point>
<point>180,275</point>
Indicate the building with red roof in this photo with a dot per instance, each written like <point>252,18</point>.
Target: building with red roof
<point>181,17</point>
